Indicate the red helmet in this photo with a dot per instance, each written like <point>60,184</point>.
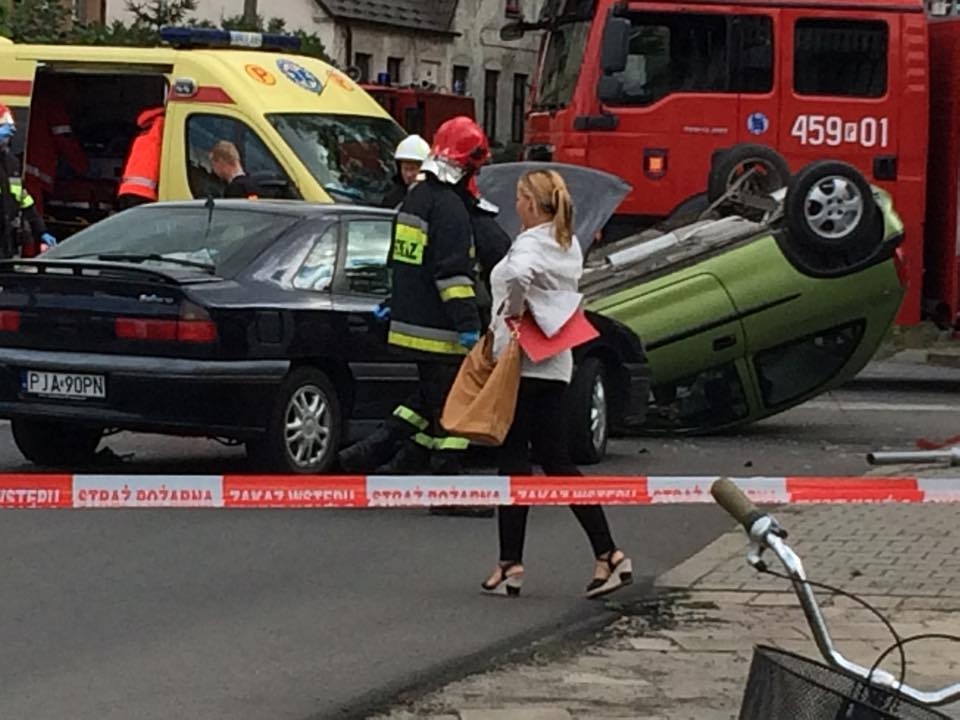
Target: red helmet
<point>461,142</point>
<point>6,117</point>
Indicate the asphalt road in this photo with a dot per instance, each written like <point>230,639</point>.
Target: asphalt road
<point>303,614</point>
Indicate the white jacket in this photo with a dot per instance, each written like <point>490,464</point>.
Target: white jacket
<point>539,276</point>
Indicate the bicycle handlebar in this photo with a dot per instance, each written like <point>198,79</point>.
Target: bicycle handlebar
<point>734,501</point>
<point>767,534</point>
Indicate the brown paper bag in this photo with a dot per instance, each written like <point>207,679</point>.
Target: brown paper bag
<point>483,399</point>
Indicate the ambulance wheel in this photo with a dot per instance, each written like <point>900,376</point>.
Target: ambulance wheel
<point>771,171</point>
<point>589,412</point>
<point>55,444</point>
<point>830,206</point>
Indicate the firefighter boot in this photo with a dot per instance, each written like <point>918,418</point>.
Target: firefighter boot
<point>410,459</point>
<point>371,452</point>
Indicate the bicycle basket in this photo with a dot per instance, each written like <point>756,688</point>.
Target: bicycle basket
<point>784,686</point>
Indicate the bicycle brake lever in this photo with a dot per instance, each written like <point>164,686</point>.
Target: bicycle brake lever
<point>777,529</point>
<point>755,557</point>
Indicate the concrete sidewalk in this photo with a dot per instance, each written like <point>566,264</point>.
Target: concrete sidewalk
<point>685,654</point>
<point>938,366</point>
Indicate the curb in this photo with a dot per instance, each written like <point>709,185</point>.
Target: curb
<point>944,359</point>
<point>579,625</point>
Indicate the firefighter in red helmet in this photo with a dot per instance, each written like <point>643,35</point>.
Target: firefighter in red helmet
<point>433,314</point>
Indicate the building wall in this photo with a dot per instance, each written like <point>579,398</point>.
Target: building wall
<point>299,14</point>
<point>90,11</point>
<point>478,48</point>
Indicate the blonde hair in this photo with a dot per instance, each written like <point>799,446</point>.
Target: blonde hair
<point>225,151</point>
<point>549,191</point>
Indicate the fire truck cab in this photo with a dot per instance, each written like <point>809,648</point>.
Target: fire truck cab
<point>655,91</point>
<point>420,110</point>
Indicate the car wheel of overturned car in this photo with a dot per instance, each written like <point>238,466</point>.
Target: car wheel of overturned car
<point>589,408</point>
<point>305,426</point>
<point>771,171</point>
<point>832,220</point>
<point>55,444</point>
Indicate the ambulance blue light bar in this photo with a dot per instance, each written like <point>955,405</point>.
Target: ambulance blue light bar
<point>192,37</point>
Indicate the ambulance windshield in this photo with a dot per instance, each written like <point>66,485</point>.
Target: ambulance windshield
<point>350,156</point>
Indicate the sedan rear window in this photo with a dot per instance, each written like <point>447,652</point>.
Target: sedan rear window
<point>226,238</point>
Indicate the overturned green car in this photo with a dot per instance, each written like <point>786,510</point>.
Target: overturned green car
<point>756,304</point>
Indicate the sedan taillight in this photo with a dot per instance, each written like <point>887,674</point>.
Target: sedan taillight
<point>9,320</point>
<point>193,326</point>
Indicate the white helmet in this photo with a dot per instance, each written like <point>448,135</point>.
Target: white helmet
<point>413,148</point>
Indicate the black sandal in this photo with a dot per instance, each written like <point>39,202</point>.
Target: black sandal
<point>508,585</point>
<point>621,573</point>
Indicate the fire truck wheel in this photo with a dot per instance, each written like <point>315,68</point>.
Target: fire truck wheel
<point>772,171</point>
<point>830,208</point>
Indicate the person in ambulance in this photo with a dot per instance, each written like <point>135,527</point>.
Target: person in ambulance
<point>410,154</point>
<point>16,204</point>
<point>226,165</point>
<point>50,139</point>
<point>141,172</point>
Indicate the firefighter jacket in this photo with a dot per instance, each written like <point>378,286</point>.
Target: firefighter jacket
<point>16,204</point>
<point>395,195</point>
<point>432,260</point>
<point>50,137</point>
<point>141,174</point>
<point>492,244</point>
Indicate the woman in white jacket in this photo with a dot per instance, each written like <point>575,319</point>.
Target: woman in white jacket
<point>543,269</point>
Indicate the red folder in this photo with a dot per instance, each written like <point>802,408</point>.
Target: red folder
<point>538,347</point>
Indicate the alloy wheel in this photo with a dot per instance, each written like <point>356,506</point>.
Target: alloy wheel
<point>308,427</point>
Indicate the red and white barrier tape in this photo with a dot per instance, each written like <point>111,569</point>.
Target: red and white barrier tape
<point>275,491</point>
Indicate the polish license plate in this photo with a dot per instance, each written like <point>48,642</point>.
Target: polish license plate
<point>63,385</point>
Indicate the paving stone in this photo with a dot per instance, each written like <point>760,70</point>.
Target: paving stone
<point>651,644</point>
<point>774,600</point>
<point>516,714</point>
<point>902,559</point>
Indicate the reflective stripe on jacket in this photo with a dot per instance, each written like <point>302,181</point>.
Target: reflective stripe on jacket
<point>141,173</point>
<point>49,138</point>
<point>432,261</point>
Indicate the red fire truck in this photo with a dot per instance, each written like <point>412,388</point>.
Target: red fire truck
<point>655,91</point>
<point>420,110</point>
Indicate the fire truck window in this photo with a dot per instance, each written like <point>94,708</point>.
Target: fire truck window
<point>561,64</point>
<point>671,53</point>
<point>756,54</point>
<point>846,58</point>
<point>205,131</point>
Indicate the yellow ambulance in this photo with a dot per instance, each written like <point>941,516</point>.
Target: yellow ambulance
<point>304,130</point>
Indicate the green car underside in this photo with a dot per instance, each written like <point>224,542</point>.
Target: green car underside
<point>726,310</point>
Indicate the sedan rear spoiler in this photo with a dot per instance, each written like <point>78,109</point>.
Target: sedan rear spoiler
<point>100,269</point>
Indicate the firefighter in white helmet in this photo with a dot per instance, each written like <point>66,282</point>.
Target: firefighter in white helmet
<point>410,154</point>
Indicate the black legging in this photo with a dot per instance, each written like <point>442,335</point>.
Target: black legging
<point>538,421</point>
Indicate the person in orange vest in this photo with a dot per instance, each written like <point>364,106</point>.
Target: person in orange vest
<point>50,138</point>
<point>141,173</point>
